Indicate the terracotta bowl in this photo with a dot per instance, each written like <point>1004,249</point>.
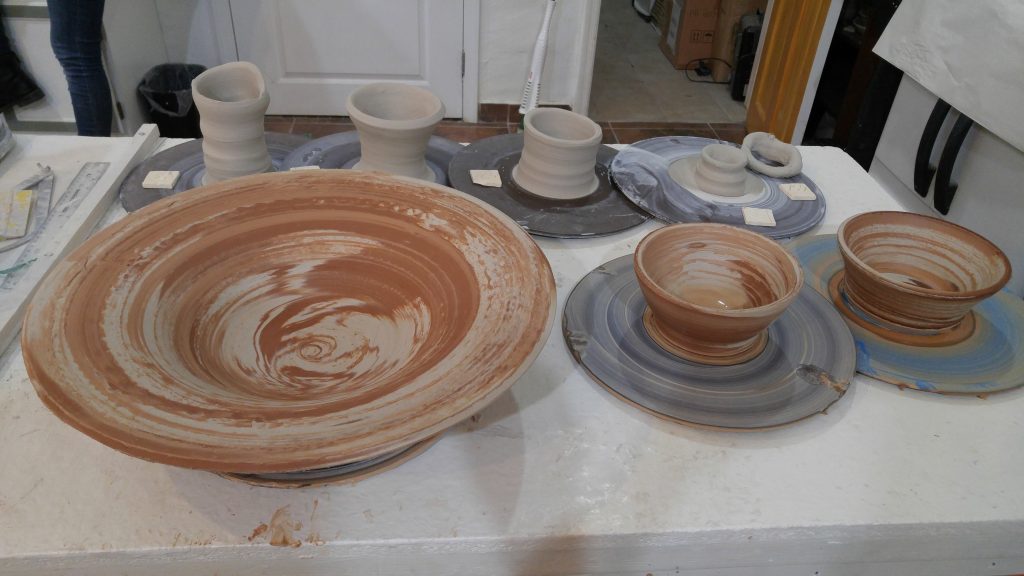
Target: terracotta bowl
<point>917,272</point>
<point>290,321</point>
<point>713,289</point>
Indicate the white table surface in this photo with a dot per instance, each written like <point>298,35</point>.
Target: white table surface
<point>556,477</point>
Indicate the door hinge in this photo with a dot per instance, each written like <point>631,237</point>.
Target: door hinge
<point>463,63</point>
<point>120,110</point>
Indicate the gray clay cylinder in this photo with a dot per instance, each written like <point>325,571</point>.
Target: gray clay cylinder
<point>559,154</point>
<point>395,122</point>
<point>232,99</point>
<point>722,170</point>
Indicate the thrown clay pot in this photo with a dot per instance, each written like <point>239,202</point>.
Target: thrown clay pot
<point>917,273</point>
<point>559,154</point>
<point>288,322</point>
<point>768,146</point>
<point>395,122</point>
<point>232,99</point>
<point>721,170</point>
<point>713,290</point>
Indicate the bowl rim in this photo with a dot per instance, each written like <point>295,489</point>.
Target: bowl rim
<point>529,125</point>
<point>357,114</point>
<point>645,279</point>
<point>849,255</point>
<point>227,106</point>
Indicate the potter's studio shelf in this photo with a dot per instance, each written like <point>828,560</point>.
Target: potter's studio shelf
<point>556,477</point>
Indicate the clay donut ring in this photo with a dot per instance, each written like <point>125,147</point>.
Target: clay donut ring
<point>771,148</point>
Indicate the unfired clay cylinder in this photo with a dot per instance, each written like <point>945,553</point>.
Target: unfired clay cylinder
<point>767,146</point>
<point>559,154</point>
<point>232,99</point>
<point>721,170</point>
<point>395,122</point>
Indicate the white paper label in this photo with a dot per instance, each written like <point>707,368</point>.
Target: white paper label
<point>303,168</point>
<point>161,179</point>
<point>758,216</point>
<point>797,191</point>
<point>489,178</point>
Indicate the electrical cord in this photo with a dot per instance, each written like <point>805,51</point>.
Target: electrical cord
<point>704,70</point>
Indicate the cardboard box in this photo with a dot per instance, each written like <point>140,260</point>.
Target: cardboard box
<point>724,44</point>
<point>689,31</point>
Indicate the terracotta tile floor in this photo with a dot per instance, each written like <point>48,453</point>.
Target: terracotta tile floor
<point>614,132</point>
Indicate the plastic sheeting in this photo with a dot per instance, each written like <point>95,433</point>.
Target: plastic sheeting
<point>967,53</point>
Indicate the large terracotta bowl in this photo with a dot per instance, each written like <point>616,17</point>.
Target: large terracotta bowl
<point>290,321</point>
<point>713,289</point>
<point>917,272</point>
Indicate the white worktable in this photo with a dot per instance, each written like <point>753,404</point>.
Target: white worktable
<point>556,477</point>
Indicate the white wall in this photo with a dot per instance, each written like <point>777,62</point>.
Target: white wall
<point>508,30</point>
<point>189,32</point>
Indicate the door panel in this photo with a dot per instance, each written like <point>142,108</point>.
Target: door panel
<point>787,57</point>
<point>314,52</point>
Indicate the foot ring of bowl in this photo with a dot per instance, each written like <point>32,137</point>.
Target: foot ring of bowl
<point>751,350</point>
<point>894,332</point>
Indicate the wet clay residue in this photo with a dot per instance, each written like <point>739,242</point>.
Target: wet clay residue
<point>257,532</point>
<point>811,373</point>
<point>282,529</point>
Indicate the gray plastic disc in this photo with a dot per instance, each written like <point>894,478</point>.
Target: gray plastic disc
<point>187,158</point>
<point>642,173</point>
<point>606,211</point>
<point>806,366</point>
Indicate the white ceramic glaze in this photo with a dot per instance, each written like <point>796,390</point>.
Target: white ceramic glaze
<point>770,147</point>
<point>395,122</point>
<point>559,154</point>
<point>720,171</point>
<point>232,99</point>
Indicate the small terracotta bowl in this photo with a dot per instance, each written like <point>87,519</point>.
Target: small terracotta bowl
<point>917,272</point>
<point>713,289</point>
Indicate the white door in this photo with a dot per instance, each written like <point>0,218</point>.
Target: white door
<point>314,52</point>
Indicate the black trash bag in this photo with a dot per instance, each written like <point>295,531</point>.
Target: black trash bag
<point>167,89</point>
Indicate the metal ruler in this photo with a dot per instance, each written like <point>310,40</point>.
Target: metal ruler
<point>84,182</point>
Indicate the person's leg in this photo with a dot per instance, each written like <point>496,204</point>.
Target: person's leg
<point>16,88</point>
<point>76,31</point>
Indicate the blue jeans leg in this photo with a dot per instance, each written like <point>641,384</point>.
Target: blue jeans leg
<point>76,33</point>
